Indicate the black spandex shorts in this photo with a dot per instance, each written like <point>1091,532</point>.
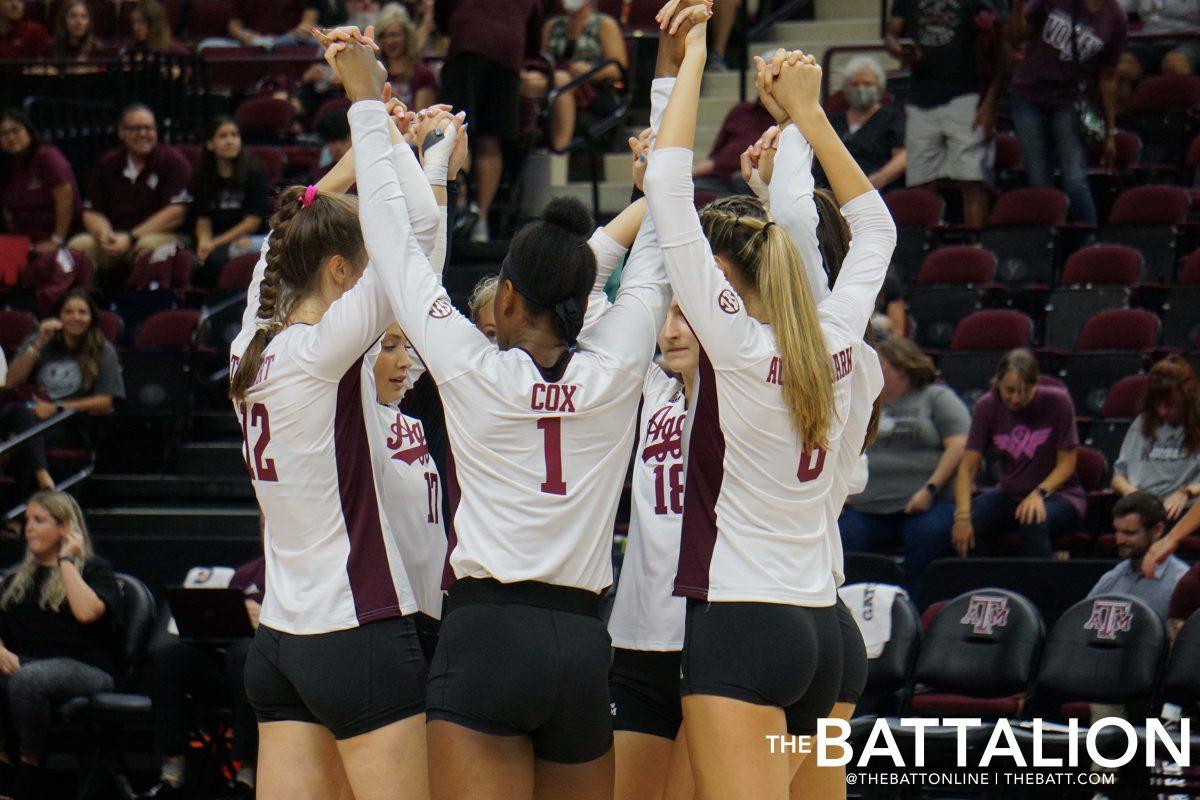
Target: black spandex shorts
<point>525,659</point>
<point>854,657</point>
<point>490,93</point>
<point>427,634</point>
<point>645,692</point>
<point>352,681</point>
<point>765,653</point>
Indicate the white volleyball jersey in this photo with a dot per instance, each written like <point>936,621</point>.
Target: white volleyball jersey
<point>646,615</point>
<point>412,501</point>
<point>755,526</point>
<point>331,556</point>
<point>537,456</point>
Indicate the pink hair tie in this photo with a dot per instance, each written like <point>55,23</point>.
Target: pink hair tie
<point>310,194</point>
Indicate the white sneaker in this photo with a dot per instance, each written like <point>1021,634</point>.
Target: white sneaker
<point>480,234</point>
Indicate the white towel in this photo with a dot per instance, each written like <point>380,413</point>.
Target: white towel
<point>204,578</point>
<point>871,606</point>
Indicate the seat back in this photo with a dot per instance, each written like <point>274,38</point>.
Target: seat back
<point>1102,265</point>
<point>915,208</point>
<point>237,272</point>
<point>1107,649</point>
<point>983,643</point>
<point>1119,329</point>
<point>957,266</point>
<point>1150,205</point>
<point>138,613</point>
<point>893,669</point>
<point>1182,684</point>
<point>1166,93</point>
<point>166,267</point>
<point>173,329</point>
<point>1000,329</point>
<point>1037,205</point>
<point>15,327</point>
<point>1091,467</point>
<point>1125,397</point>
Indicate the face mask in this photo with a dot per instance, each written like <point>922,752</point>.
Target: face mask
<point>862,97</point>
<point>571,6</point>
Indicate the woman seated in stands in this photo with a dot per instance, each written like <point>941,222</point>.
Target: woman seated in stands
<point>873,132</point>
<point>229,201</point>
<point>150,31</point>
<point>909,496</point>
<point>74,39</point>
<point>1161,451</point>
<point>1030,430</point>
<point>59,612</point>
<point>38,194</point>
<point>578,41</point>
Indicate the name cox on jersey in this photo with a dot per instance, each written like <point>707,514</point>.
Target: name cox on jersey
<point>843,363</point>
<point>556,397</point>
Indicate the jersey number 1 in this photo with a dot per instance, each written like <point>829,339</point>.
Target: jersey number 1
<point>551,428</point>
<point>261,467</point>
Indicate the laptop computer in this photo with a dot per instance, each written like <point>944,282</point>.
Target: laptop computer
<point>210,616</point>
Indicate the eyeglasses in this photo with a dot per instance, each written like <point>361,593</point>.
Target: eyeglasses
<point>138,128</point>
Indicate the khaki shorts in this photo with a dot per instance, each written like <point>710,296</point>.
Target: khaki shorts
<point>941,143</point>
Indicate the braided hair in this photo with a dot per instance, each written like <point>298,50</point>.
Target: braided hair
<point>302,239</point>
<point>740,230</point>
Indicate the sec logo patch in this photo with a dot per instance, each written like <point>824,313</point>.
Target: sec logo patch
<point>441,308</point>
<point>729,302</point>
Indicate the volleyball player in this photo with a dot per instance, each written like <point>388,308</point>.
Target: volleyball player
<point>762,631</point>
<point>539,428</point>
<point>336,615</point>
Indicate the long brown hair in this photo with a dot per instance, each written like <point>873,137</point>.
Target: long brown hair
<point>741,231</point>
<point>64,510</point>
<point>301,241</point>
<point>1020,361</point>
<point>905,356</point>
<point>1173,379</point>
<point>62,39</point>
<point>158,36</point>
<point>833,236</point>
<point>90,351</point>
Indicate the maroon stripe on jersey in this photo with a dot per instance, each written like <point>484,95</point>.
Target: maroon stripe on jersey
<point>453,495</point>
<point>705,473</point>
<point>367,565</point>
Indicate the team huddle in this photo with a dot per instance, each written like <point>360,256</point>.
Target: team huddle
<point>436,632</point>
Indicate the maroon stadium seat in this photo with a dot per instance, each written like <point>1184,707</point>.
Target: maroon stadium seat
<point>1150,205</point>
<point>957,266</point>
<point>265,119</point>
<point>272,161</point>
<point>1037,205</point>
<point>992,330</point>
<point>15,328</point>
<point>166,267</point>
<point>1119,329</point>
<point>915,208</point>
<point>1166,93</point>
<point>1125,397</point>
<point>112,325</point>
<point>209,19</point>
<point>236,274</point>
<point>1102,265</point>
<point>168,330</point>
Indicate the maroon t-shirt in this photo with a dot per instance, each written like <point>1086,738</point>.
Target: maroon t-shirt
<point>741,128</point>
<point>1185,600</point>
<point>270,17</point>
<point>506,34</point>
<point>422,78</point>
<point>26,39</point>
<point>28,196</point>
<point>251,578</point>
<point>1027,442</point>
<point>128,197</point>
<point>1048,74</point>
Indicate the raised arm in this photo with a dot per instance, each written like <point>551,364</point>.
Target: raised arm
<point>791,192</point>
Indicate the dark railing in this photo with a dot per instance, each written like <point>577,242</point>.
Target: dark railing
<point>37,430</point>
<point>595,132</point>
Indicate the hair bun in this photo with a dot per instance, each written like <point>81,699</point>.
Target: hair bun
<point>569,214</point>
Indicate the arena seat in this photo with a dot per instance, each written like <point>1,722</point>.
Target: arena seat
<point>1121,405</point>
<point>112,324</point>
<point>950,286</point>
<point>1111,345</point>
<point>978,342</point>
<point>272,161</point>
<point>265,120</point>
<point>1181,307</point>
<point>916,212</point>
<point>1094,279</point>
<point>237,273</point>
<point>15,328</point>
<point>1147,218</point>
<point>1163,110</point>
<point>1022,232</point>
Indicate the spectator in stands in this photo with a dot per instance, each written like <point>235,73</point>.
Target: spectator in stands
<point>137,195</point>
<point>480,305</point>
<point>38,195</point>
<point>412,81</point>
<point>873,133</point>
<point>334,129</point>
<point>364,13</point>
<point>578,41</point>
<point>1185,600</point>
<point>74,39</point>
<point>20,37</point>
<point>1161,451</point>
<point>723,19</point>
<point>1166,56</point>
<point>742,127</point>
<point>262,23</point>
<point>482,76</point>
<point>1071,52</point>
<point>951,107</point>
<point>184,675</point>
<point>230,200</point>
<point>891,312</point>
<point>1139,520</point>
<point>150,30</point>
<point>69,361</point>
<point>909,496</point>
<point>322,14</point>
<point>1030,430</point>
<point>59,613</point>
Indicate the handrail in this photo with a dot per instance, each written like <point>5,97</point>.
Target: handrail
<point>36,430</point>
<point>62,486</point>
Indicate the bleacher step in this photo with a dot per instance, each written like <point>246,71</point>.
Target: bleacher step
<point>119,489</point>
<point>847,9</point>
<point>219,458</point>
<point>212,524</point>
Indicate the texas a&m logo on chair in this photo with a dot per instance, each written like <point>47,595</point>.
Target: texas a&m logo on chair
<point>1110,617</point>
<point>986,613</point>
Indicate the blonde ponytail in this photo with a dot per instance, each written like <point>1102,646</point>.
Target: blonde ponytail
<point>740,230</point>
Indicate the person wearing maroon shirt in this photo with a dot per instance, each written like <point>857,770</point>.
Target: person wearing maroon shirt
<point>266,23</point>
<point>137,195</point>
<point>184,675</point>
<point>482,76</point>
<point>20,37</point>
<point>38,195</point>
<point>742,127</point>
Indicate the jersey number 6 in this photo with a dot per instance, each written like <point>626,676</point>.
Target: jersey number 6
<point>255,416</point>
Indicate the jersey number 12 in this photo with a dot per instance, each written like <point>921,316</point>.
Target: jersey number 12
<point>255,416</point>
